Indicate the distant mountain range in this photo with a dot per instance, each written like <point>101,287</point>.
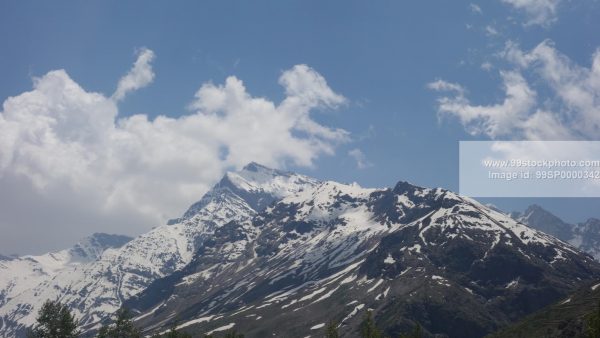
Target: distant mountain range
<point>273,253</point>
<point>22,273</point>
<point>584,236</point>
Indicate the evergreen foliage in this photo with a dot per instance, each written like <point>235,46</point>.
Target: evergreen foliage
<point>368,328</point>
<point>122,328</point>
<point>54,321</point>
<point>593,324</point>
<point>331,330</point>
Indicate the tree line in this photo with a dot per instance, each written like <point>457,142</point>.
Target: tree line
<point>55,320</point>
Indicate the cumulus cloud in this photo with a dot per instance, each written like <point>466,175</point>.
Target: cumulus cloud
<point>140,75</point>
<point>571,110</point>
<point>360,158</point>
<point>59,138</point>
<point>255,129</point>
<point>538,12</point>
<point>577,87</point>
<point>493,120</point>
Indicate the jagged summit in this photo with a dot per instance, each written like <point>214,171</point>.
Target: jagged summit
<point>545,221</point>
<point>256,184</point>
<point>92,247</point>
<point>404,187</point>
<point>257,167</point>
<point>584,236</point>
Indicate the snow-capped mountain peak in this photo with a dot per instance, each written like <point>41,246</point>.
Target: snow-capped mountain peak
<point>111,276</point>
<point>257,185</point>
<point>584,236</point>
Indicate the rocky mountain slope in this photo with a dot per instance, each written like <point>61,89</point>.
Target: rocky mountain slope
<point>332,251</point>
<point>98,288</point>
<point>566,318</point>
<point>584,236</point>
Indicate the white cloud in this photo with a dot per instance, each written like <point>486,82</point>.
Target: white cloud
<point>127,171</point>
<point>360,158</point>
<point>576,89</point>
<point>138,77</point>
<point>487,66</point>
<point>255,129</point>
<point>538,12</point>
<point>441,85</point>
<point>491,30</point>
<point>493,120</point>
<point>475,8</point>
<point>569,108</point>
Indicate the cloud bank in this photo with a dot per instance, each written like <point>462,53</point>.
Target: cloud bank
<point>127,171</point>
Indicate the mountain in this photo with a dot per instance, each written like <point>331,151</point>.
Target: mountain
<point>20,273</point>
<point>96,289</point>
<point>273,253</point>
<point>543,220</point>
<point>584,236</point>
<point>332,251</point>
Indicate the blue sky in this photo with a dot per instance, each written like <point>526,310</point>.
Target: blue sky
<point>380,56</point>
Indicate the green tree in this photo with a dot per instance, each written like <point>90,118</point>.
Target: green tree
<point>593,324</point>
<point>331,330</point>
<point>54,321</point>
<point>122,328</point>
<point>368,328</point>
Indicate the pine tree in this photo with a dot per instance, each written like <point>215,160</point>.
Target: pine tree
<point>122,328</point>
<point>331,330</point>
<point>55,321</point>
<point>418,332</point>
<point>368,328</point>
<point>103,332</point>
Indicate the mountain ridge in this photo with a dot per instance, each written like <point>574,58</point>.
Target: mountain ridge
<point>343,247</point>
<point>267,250</point>
<point>584,236</point>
